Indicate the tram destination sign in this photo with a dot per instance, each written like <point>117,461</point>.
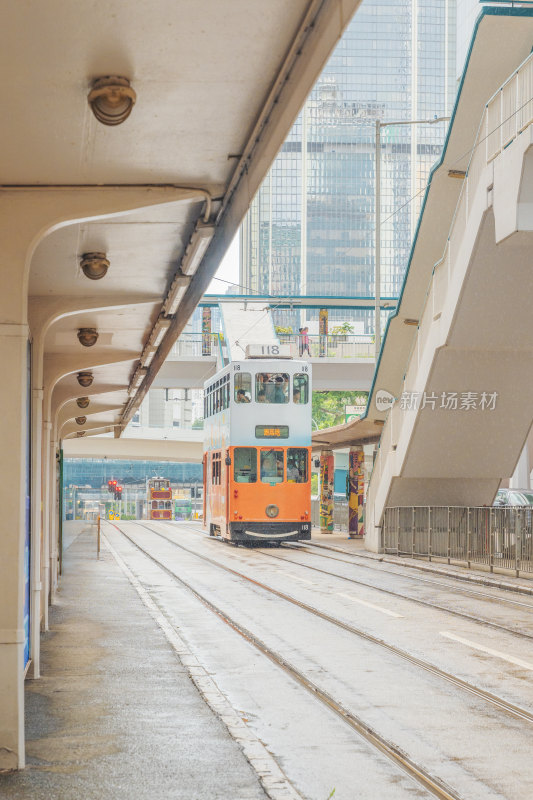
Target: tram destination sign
<point>271,431</point>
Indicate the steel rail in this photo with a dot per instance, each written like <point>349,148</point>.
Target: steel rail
<point>502,705</point>
<point>463,614</point>
<point>431,783</point>
<point>472,592</point>
<point>455,577</point>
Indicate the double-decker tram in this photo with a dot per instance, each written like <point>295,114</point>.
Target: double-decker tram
<point>257,450</point>
<point>159,499</point>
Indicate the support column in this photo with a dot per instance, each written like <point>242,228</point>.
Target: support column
<point>356,492</point>
<point>36,531</point>
<point>47,428</point>
<point>206,331</point>
<point>327,475</point>
<point>54,528</point>
<point>520,478</point>
<point>13,492</point>
<point>323,332</point>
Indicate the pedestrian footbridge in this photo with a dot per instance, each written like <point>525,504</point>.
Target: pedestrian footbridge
<point>340,363</point>
<point>451,399</point>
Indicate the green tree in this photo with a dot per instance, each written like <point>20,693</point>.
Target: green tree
<point>328,407</point>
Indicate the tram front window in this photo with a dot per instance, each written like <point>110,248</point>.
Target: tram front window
<point>272,466</point>
<point>297,460</point>
<point>245,465</point>
<point>272,387</point>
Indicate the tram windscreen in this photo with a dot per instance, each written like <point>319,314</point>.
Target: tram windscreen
<point>272,466</point>
<point>300,388</point>
<point>297,465</point>
<point>245,465</point>
<point>272,387</point>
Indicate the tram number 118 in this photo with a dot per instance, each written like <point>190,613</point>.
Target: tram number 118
<point>268,351</point>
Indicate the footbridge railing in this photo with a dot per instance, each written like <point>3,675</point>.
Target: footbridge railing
<point>485,537</point>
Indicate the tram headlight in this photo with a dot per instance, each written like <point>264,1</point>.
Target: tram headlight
<point>272,511</point>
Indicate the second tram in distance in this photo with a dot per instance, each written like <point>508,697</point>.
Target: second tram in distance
<point>257,428</point>
<point>159,499</point>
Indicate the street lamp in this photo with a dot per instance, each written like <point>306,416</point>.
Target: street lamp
<point>377,273</point>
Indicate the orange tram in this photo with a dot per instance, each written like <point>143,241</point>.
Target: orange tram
<point>159,499</point>
<point>257,450</point>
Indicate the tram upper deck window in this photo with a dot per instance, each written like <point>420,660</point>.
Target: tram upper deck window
<point>272,466</point>
<point>272,387</point>
<point>297,465</point>
<point>300,388</point>
<point>243,387</point>
<point>245,465</point>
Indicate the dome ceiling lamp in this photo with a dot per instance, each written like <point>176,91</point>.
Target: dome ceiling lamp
<point>85,379</point>
<point>87,336</point>
<point>94,265</point>
<point>111,99</point>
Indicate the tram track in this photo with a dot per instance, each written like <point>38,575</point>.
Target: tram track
<point>502,705</point>
<point>391,592</point>
<point>418,601</point>
<point>430,782</point>
<point>317,551</point>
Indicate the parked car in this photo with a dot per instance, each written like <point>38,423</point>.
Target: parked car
<point>514,497</point>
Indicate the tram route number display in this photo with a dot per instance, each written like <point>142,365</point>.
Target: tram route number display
<point>268,351</point>
<point>271,431</point>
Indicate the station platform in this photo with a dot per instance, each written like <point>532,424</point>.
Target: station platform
<point>115,713</point>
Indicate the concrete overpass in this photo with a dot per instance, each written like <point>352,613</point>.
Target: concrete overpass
<point>451,399</point>
<point>187,448</point>
<point>347,364</point>
<point>133,142</point>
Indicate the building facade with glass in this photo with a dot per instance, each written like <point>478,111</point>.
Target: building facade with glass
<point>310,229</point>
<point>95,473</point>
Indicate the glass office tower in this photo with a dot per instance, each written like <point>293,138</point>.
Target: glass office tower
<point>310,229</point>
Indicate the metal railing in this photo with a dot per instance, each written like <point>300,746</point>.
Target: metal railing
<point>340,514</point>
<point>490,537</point>
<point>191,345</point>
<point>331,346</point>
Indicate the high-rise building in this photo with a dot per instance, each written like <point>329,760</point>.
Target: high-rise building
<point>310,229</point>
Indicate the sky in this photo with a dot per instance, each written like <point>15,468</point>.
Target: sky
<point>228,270</point>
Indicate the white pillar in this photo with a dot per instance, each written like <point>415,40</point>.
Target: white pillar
<point>36,530</point>
<point>47,427</point>
<point>13,431</point>
<point>520,478</point>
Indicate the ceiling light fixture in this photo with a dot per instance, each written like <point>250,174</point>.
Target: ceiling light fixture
<point>94,265</point>
<point>138,377</point>
<point>81,420</point>
<point>80,433</point>
<point>87,336</point>
<point>82,402</point>
<point>85,379</point>
<point>177,289</point>
<point>194,252</point>
<point>158,332</point>
<point>111,99</point>
<point>200,241</point>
